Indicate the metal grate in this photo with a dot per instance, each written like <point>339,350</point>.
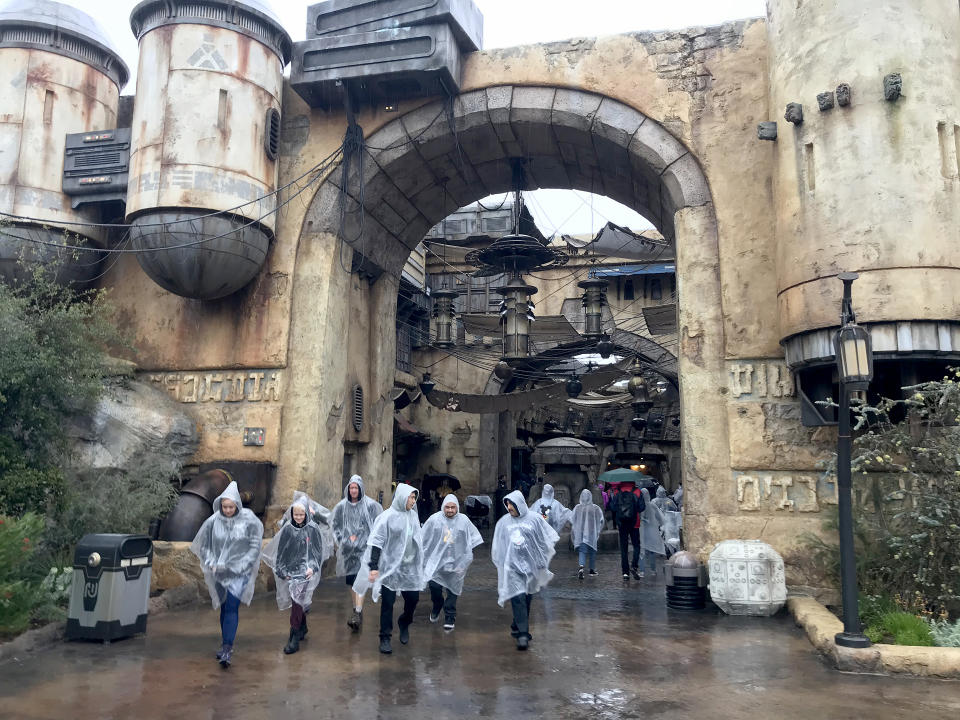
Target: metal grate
<point>357,408</point>
<point>271,138</point>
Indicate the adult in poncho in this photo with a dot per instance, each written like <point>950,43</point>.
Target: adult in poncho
<point>393,563</point>
<point>586,525</point>
<point>523,545</point>
<point>296,555</point>
<point>228,546</point>
<point>448,542</point>
<point>652,518</point>
<point>551,509</point>
<point>353,517</point>
<point>664,501</point>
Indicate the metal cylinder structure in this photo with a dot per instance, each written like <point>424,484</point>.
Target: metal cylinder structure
<point>205,142</point>
<point>60,74</point>
<point>516,316</point>
<point>870,183</point>
<point>443,313</point>
<point>594,299</point>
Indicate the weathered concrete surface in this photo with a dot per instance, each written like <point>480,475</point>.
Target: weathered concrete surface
<point>599,650</point>
<point>821,626</point>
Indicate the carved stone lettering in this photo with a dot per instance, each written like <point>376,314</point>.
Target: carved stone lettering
<point>216,387</point>
<point>783,492</point>
<point>760,380</point>
<point>748,492</point>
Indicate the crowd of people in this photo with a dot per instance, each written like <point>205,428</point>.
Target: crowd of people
<point>389,553</point>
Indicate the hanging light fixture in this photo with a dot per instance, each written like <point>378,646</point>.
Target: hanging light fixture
<point>594,299</point>
<point>427,385</point>
<point>605,347</point>
<point>639,389</point>
<point>503,370</point>
<point>574,387</point>
<point>443,312</point>
<point>516,317</point>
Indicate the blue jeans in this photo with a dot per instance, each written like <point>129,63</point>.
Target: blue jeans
<point>229,618</point>
<point>587,552</point>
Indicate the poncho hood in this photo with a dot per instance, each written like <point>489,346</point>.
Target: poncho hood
<point>516,497</point>
<point>661,492</point>
<point>400,496</point>
<point>586,497</point>
<point>359,481</point>
<point>451,498</point>
<point>548,494</point>
<point>231,493</point>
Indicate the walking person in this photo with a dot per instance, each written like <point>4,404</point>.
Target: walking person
<point>296,555</point>
<point>551,509</point>
<point>393,563</point>
<point>448,542</point>
<point>523,545</point>
<point>586,526</point>
<point>353,517</point>
<point>626,514</point>
<point>652,520</point>
<point>228,546</point>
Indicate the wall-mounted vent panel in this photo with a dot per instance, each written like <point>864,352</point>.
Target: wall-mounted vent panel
<point>95,166</point>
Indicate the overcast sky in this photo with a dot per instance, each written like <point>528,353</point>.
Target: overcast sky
<point>507,23</point>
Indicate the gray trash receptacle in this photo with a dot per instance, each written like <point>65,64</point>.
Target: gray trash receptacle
<point>111,587</point>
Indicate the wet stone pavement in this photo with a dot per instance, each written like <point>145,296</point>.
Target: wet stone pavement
<point>600,650</point>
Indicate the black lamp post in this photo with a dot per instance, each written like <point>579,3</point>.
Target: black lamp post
<point>855,368</point>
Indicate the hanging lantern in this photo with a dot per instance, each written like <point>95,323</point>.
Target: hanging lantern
<point>574,386</point>
<point>639,422</point>
<point>427,385</point>
<point>516,316</point>
<point>605,347</point>
<point>640,390</point>
<point>444,313</point>
<point>594,298</point>
<point>854,356</point>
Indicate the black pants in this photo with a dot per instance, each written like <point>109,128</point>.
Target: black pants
<point>387,598</point>
<point>631,534</point>
<point>520,604</point>
<point>449,606</point>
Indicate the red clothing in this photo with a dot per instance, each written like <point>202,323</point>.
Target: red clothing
<point>631,486</point>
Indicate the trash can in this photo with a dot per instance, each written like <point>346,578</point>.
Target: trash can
<point>686,582</point>
<point>111,587</point>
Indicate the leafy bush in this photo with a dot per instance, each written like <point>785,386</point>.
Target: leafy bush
<point>906,629</point>
<point>874,607</point>
<point>945,634</point>
<point>53,595</point>
<point>907,478</point>
<point>19,585</point>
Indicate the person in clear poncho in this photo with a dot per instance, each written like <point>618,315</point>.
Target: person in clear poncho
<point>523,545</point>
<point>448,542</point>
<point>672,525</point>
<point>663,501</point>
<point>652,539</point>
<point>586,525</point>
<point>353,517</point>
<point>296,555</point>
<point>551,509</point>
<point>228,546</point>
<point>393,563</point>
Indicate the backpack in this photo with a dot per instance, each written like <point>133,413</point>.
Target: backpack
<point>629,506</point>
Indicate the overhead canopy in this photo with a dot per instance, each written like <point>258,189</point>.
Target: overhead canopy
<point>661,319</point>
<point>543,329</point>
<point>647,269</point>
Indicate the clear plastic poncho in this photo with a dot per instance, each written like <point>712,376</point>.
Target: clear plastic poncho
<point>296,556</point>
<point>448,545</point>
<point>664,501</point>
<point>652,521</point>
<point>322,516</point>
<point>351,525</point>
<point>397,533</point>
<point>229,550</point>
<point>587,521</point>
<point>551,509</point>
<point>672,523</point>
<point>522,549</point>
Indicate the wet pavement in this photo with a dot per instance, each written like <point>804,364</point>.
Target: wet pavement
<point>600,650</point>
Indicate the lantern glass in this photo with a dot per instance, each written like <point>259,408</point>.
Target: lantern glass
<point>854,355</point>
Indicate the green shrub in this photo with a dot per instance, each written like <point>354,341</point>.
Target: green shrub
<point>19,584</point>
<point>900,628</point>
<point>874,607</point>
<point>945,634</point>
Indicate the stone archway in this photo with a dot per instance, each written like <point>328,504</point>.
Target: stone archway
<point>418,171</point>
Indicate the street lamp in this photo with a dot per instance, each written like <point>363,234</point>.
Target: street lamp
<point>855,369</point>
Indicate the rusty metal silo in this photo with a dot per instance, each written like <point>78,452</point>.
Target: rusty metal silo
<point>60,74</point>
<point>205,136</point>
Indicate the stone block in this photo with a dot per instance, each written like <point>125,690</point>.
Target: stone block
<point>892,87</point>
<point>654,147</point>
<point>685,184</point>
<point>794,113</point>
<point>825,101</point>
<point>843,95</point>
<point>767,130</point>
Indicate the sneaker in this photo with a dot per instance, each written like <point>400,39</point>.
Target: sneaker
<point>221,651</point>
<point>354,622</point>
<point>385,646</point>
<point>448,625</point>
<point>626,577</point>
<point>580,573</point>
<point>434,617</point>
<point>225,656</point>
<point>523,642</point>
<point>638,574</point>
<point>404,634</point>
<point>593,573</point>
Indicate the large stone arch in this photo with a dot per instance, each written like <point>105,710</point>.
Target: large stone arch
<point>417,171</point>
